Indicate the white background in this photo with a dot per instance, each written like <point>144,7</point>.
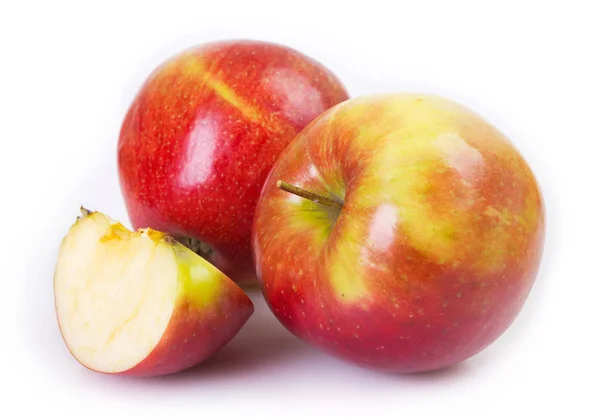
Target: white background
<point>67,75</point>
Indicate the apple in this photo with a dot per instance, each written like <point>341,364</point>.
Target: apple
<point>198,140</point>
<point>399,232</point>
<point>140,303</point>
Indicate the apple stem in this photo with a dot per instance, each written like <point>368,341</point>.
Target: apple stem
<point>84,212</point>
<point>321,200</point>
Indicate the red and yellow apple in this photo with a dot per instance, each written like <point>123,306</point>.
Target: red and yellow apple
<point>399,232</point>
<point>202,133</point>
<point>140,303</point>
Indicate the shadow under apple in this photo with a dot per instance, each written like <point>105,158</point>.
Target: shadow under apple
<point>261,344</point>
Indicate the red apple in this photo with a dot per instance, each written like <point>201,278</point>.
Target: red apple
<point>420,241</point>
<point>201,135</point>
<point>140,303</point>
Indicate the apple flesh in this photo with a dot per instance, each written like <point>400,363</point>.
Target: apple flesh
<point>201,135</point>
<point>140,303</point>
<point>424,246</point>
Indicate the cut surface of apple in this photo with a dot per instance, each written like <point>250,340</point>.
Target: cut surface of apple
<point>141,303</point>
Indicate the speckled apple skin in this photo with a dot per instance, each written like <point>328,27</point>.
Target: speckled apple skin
<point>435,250</point>
<point>204,130</point>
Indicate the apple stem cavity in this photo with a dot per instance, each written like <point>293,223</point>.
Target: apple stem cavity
<point>321,200</point>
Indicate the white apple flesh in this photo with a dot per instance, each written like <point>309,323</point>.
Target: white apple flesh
<point>140,303</point>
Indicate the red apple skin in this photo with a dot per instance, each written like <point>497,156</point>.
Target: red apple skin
<point>204,130</point>
<point>434,251</point>
<point>195,333</point>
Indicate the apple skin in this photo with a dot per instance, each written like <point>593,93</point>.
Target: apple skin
<point>202,133</point>
<point>434,251</point>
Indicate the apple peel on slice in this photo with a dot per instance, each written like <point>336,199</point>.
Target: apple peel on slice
<point>141,303</point>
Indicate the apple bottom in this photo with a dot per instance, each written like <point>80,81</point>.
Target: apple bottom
<point>238,267</point>
<point>406,338</point>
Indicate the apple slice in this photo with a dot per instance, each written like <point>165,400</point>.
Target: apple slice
<point>141,303</point>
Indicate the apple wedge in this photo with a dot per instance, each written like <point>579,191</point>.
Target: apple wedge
<point>141,303</point>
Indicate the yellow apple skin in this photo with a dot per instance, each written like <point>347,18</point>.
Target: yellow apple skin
<point>434,251</point>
